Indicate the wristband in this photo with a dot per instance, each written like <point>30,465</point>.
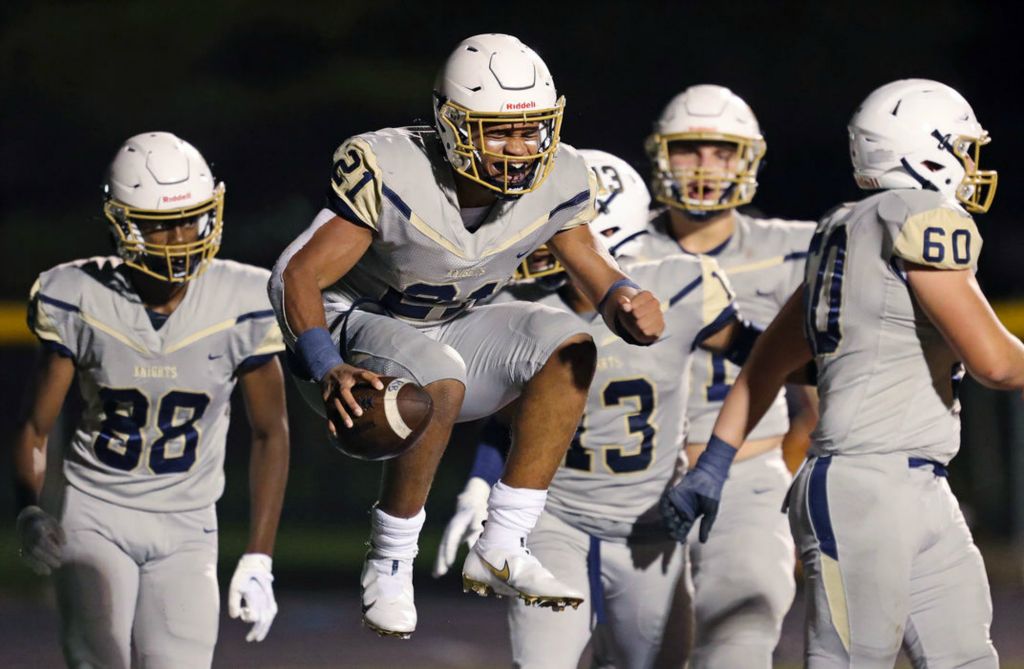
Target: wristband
<point>318,351</point>
<point>626,281</point>
<point>717,458</point>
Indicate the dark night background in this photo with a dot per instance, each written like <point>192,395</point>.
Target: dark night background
<point>266,91</point>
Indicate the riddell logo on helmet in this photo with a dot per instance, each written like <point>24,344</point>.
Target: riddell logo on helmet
<point>516,106</point>
<point>177,198</point>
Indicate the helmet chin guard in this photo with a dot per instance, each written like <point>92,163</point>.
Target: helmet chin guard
<point>493,81</point>
<point>158,178</point>
<point>700,116</point>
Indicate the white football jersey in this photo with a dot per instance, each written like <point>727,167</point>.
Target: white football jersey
<point>886,377</point>
<point>151,435</point>
<point>424,266</point>
<point>764,260</point>
<point>626,448</point>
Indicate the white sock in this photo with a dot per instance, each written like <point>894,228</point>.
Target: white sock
<point>395,538</point>
<point>511,516</point>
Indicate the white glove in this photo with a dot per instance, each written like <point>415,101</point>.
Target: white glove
<point>465,526</point>
<point>253,582</point>
<point>42,539</point>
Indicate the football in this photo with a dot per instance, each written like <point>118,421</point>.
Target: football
<point>393,420</point>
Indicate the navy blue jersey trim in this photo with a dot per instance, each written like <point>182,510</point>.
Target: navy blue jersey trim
<point>58,348</point>
<point>576,199</point>
<point>394,198</point>
<point>264,313</point>
<point>57,303</point>
<point>625,241</point>
<point>254,361</point>
<point>938,468</point>
<point>718,249</point>
<point>817,502</point>
<point>596,584</point>
<point>795,255</point>
<point>685,291</point>
<point>341,208</point>
<point>714,326</point>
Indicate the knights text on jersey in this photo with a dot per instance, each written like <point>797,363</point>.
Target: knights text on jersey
<point>626,448</point>
<point>423,265</point>
<point>151,435</point>
<point>886,377</point>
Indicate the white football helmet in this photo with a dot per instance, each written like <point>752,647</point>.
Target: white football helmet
<point>158,177</point>
<point>917,133</point>
<point>489,80</point>
<point>622,212</point>
<point>706,114</point>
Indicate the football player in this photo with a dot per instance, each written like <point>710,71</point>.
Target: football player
<point>601,531</point>
<point>158,337</point>
<point>888,309</point>
<point>705,152</point>
<point>420,224</point>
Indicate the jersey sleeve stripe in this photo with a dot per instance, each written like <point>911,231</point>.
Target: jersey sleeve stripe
<point>254,361</point>
<point>399,203</point>
<point>58,348</point>
<point>265,313</point>
<point>58,303</point>
<point>689,288</point>
<point>336,204</point>
<point>577,199</point>
<point>721,320</point>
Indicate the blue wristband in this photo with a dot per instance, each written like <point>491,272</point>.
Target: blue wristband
<point>611,289</point>
<point>717,458</point>
<point>318,351</point>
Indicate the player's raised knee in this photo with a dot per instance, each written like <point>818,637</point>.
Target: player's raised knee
<point>447,396</point>
<point>579,355</point>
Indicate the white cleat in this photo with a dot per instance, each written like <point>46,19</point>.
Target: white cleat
<point>388,606</point>
<point>516,573</point>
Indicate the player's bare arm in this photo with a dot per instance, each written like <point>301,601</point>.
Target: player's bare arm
<point>333,250</point>
<point>251,593</point>
<point>955,304</point>
<point>626,307</point>
<point>40,534</point>
<point>779,352</point>
<point>263,390</point>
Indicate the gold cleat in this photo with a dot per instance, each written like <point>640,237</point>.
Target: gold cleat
<point>553,603</point>
<point>386,633</point>
<point>520,575</point>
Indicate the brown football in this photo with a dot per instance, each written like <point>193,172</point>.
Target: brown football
<point>393,420</point>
